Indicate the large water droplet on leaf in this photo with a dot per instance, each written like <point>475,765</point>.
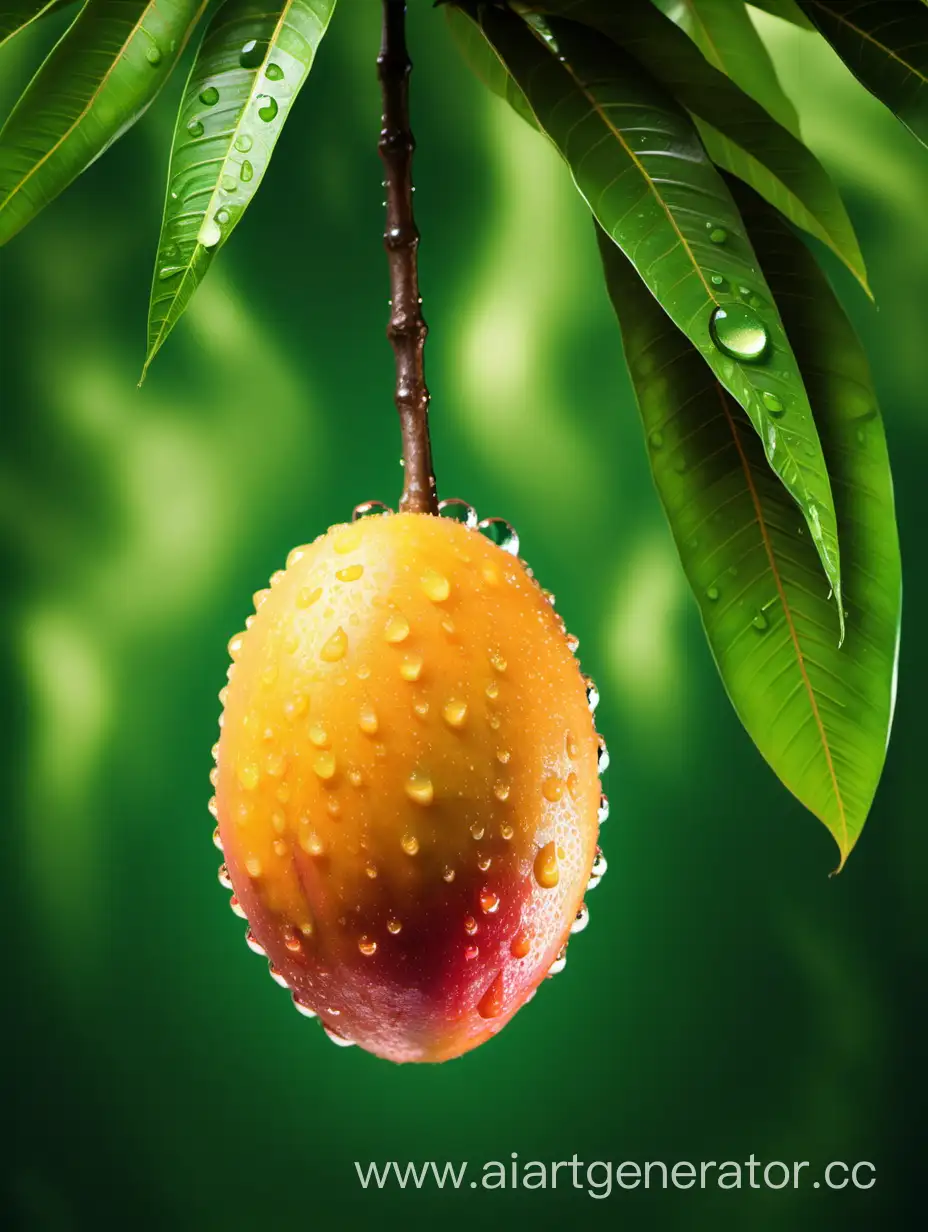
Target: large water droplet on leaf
<point>252,54</point>
<point>195,128</point>
<point>209,97</point>
<point>739,332</point>
<point>274,72</point>
<point>268,109</point>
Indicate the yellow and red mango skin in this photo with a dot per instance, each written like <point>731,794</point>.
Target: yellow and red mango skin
<point>408,790</point>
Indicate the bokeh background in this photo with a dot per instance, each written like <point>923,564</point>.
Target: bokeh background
<point>728,997</point>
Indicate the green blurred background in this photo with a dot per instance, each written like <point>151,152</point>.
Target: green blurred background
<point>728,997</point>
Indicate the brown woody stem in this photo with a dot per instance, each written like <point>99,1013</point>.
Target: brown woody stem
<point>407,329</point>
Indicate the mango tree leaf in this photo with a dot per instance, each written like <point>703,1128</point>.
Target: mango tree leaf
<point>736,131</point>
<point>96,82</point>
<point>885,45</point>
<point>726,36</point>
<point>248,71</point>
<point>638,162</point>
<point>819,715</point>
<point>788,10</point>
<point>16,15</point>
<point>484,63</point>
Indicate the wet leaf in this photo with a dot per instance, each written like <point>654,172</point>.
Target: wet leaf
<point>885,45</point>
<point>96,82</point>
<point>736,131</point>
<point>639,164</point>
<point>726,36</point>
<point>819,715</point>
<point>250,67</point>
<point>16,15</point>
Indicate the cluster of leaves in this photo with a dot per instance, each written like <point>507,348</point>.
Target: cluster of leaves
<point>764,432</point>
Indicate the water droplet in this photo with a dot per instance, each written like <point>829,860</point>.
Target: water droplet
<point>501,790</point>
<point>397,628</point>
<point>254,944</point>
<point>773,404</point>
<point>209,97</point>
<point>224,879</point>
<point>209,234</point>
<point>419,788</point>
<point>717,280</point>
<point>195,128</point>
<point>471,951</point>
<point>252,54</point>
<point>153,56</point>
<point>338,1040</point>
<point>598,870</point>
<point>248,775</point>
<point>222,217</point>
<point>559,963</point>
<point>602,756</point>
<point>489,902</point>
<point>552,789</point>
<point>411,667</point>
<point>739,332</point>
<point>581,919</point>
<point>717,235</point>
<point>435,585</point>
<point>324,765</point>
<point>498,663</point>
<point>500,532</point>
<point>217,839</point>
<point>351,574</point>
<point>491,1003</point>
<point>307,597</point>
<point>334,649</point>
<point>447,874</point>
<point>246,171</point>
<point>302,1008</point>
<point>243,143</point>
<point>459,510</point>
<point>268,109</point>
<point>592,697</point>
<point>367,946</point>
<point>761,623</point>
<point>410,844</point>
<point>455,713</point>
<point>394,925</point>
<point>712,594</point>
<point>318,735</point>
<point>656,440</point>
<point>274,72</point>
<point>520,945</point>
<point>228,183</point>
<point>369,509</point>
<point>602,814</point>
<point>236,907</point>
<point>573,643</point>
<point>367,719</point>
<point>545,867</point>
<point>213,806</point>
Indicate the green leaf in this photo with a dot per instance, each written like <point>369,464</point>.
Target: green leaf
<point>99,78</point>
<point>638,162</point>
<point>248,71</point>
<point>484,63</point>
<point>726,36</point>
<point>789,10</point>
<point>885,45</point>
<point>819,715</point>
<point>736,131</point>
<point>16,15</point>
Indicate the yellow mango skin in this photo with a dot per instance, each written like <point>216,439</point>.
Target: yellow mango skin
<point>407,785</point>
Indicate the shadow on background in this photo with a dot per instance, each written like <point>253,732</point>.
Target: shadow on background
<point>728,998</point>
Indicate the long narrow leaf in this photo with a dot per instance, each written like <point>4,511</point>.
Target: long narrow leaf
<point>819,715</point>
<point>637,161</point>
<point>885,45</point>
<point>248,71</point>
<point>96,82</point>
<point>738,134</point>
<point>724,33</point>
<point>789,10</point>
<point>16,15</point>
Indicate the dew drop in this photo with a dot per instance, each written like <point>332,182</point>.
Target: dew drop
<point>236,907</point>
<point>712,594</point>
<point>209,97</point>
<point>410,844</point>
<point>397,628</point>
<point>592,694</point>
<point>268,109</point>
<point>351,574</point>
<point>411,667</point>
<point>581,919</point>
<point>559,963</point>
<point>761,623</point>
<point>459,511</point>
<point>246,171</point>
<point>420,789</point>
<point>552,789</point>
<point>367,720</point>
<point>274,72</point>
<point>435,586</point>
<point>153,56</point>
<point>243,143</point>
<point>369,509</point>
<point>367,946</point>
<point>302,1008</point>
<point>217,839</point>
<point>501,790</point>
<point>447,874</point>
<point>307,597</point>
<point>334,649</point>
<point>324,765</point>
<point>339,1041</point>
<point>195,128</point>
<point>717,235</point>
<point>500,532</point>
<point>739,332</point>
<point>228,183</point>
<point>598,870</point>
<point>251,54</point>
<point>209,233</point>
<point>545,867</point>
<point>602,814</point>
<point>455,713</point>
<point>318,735</point>
<point>520,945</point>
<point>224,879</point>
<point>773,404</point>
<point>254,944</point>
<point>491,1003</point>
<point>656,440</point>
<point>222,217</point>
<point>248,775</point>
<point>602,757</point>
<point>489,902</point>
<point>394,925</point>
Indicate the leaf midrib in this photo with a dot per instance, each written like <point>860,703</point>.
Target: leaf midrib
<point>869,38</point>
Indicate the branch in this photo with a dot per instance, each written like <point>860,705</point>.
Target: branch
<point>407,329</point>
